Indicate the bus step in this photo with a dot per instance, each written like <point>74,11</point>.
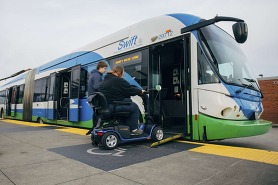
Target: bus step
<point>167,139</point>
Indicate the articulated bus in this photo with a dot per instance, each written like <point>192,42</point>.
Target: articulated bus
<point>197,76</point>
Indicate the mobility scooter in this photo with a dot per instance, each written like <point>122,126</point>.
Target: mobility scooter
<point>111,131</point>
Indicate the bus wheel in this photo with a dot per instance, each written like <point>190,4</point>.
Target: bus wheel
<point>39,120</point>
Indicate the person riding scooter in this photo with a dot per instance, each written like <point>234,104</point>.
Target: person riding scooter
<point>115,88</point>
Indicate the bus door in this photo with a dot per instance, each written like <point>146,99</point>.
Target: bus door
<point>51,104</point>
<point>167,70</point>
<point>8,101</point>
<point>13,101</point>
<point>74,94</point>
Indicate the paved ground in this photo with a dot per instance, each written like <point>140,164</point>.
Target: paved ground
<point>32,153</point>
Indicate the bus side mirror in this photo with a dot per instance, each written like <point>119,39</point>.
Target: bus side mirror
<point>240,30</point>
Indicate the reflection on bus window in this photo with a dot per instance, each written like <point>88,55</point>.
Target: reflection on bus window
<point>75,84</point>
<point>2,97</point>
<point>83,82</point>
<point>51,91</point>
<point>138,73</point>
<point>20,93</point>
<point>136,69</point>
<point>228,58</point>
<point>205,74</point>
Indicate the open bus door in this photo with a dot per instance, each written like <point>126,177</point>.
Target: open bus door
<point>169,69</point>
<point>13,101</point>
<point>74,94</point>
<point>51,106</point>
<point>8,101</point>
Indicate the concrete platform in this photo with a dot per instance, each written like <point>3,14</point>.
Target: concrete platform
<point>32,153</point>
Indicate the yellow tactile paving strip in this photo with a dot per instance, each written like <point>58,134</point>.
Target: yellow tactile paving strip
<point>73,130</point>
<point>59,128</point>
<point>25,123</point>
<point>264,156</point>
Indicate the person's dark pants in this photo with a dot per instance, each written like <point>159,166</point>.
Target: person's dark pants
<point>132,120</point>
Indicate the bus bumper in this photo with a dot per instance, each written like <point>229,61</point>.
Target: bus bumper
<point>223,129</point>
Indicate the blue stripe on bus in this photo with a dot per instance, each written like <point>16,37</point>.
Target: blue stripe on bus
<point>85,112</point>
<point>18,78</point>
<point>248,100</point>
<point>67,61</point>
<point>186,19</point>
<point>88,57</point>
<point>19,110</point>
<point>54,63</point>
<point>50,114</point>
<point>39,112</point>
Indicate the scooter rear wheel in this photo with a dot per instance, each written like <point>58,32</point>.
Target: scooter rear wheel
<point>110,140</point>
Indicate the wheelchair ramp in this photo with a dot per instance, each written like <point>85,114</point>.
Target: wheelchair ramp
<point>168,137</point>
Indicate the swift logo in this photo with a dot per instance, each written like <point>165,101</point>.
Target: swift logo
<point>168,33</point>
<point>128,42</point>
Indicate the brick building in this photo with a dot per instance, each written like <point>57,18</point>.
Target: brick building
<point>269,88</point>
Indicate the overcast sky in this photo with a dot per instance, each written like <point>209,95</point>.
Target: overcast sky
<point>34,32</point>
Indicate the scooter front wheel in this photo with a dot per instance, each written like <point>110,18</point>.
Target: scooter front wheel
<point>157,134</point>
<point>110,140</point>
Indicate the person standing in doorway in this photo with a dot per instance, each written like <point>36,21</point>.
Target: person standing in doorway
<point>94,81</point>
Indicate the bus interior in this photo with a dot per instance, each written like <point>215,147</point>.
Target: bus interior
<point>168,105</point>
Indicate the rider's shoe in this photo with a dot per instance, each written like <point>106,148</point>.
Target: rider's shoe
<point>136,132</point>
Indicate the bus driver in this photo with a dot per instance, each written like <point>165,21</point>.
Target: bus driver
<point>115,88</point>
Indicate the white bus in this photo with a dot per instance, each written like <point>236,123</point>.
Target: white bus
<point>207,89</point>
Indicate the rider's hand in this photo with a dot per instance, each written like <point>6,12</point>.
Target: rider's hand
<point>143,91</point>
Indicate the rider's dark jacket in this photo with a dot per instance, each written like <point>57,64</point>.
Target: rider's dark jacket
<point>116,89</point>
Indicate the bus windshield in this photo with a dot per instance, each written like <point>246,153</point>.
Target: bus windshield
<point>227,57</point>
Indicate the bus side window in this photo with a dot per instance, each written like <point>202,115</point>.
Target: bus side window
<point>40,90</point>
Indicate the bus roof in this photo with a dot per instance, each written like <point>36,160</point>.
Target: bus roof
<point>141,34</point>
<point>136,36</point>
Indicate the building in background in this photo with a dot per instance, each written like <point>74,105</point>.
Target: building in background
<point>269,87</point>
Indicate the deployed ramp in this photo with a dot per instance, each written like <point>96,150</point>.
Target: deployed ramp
<point>167,139</point>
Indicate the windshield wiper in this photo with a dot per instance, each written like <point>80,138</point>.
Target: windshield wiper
<point>249,80</point>
<point>248,85</point>
<point>254,81</point>
<point>244,86</point>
